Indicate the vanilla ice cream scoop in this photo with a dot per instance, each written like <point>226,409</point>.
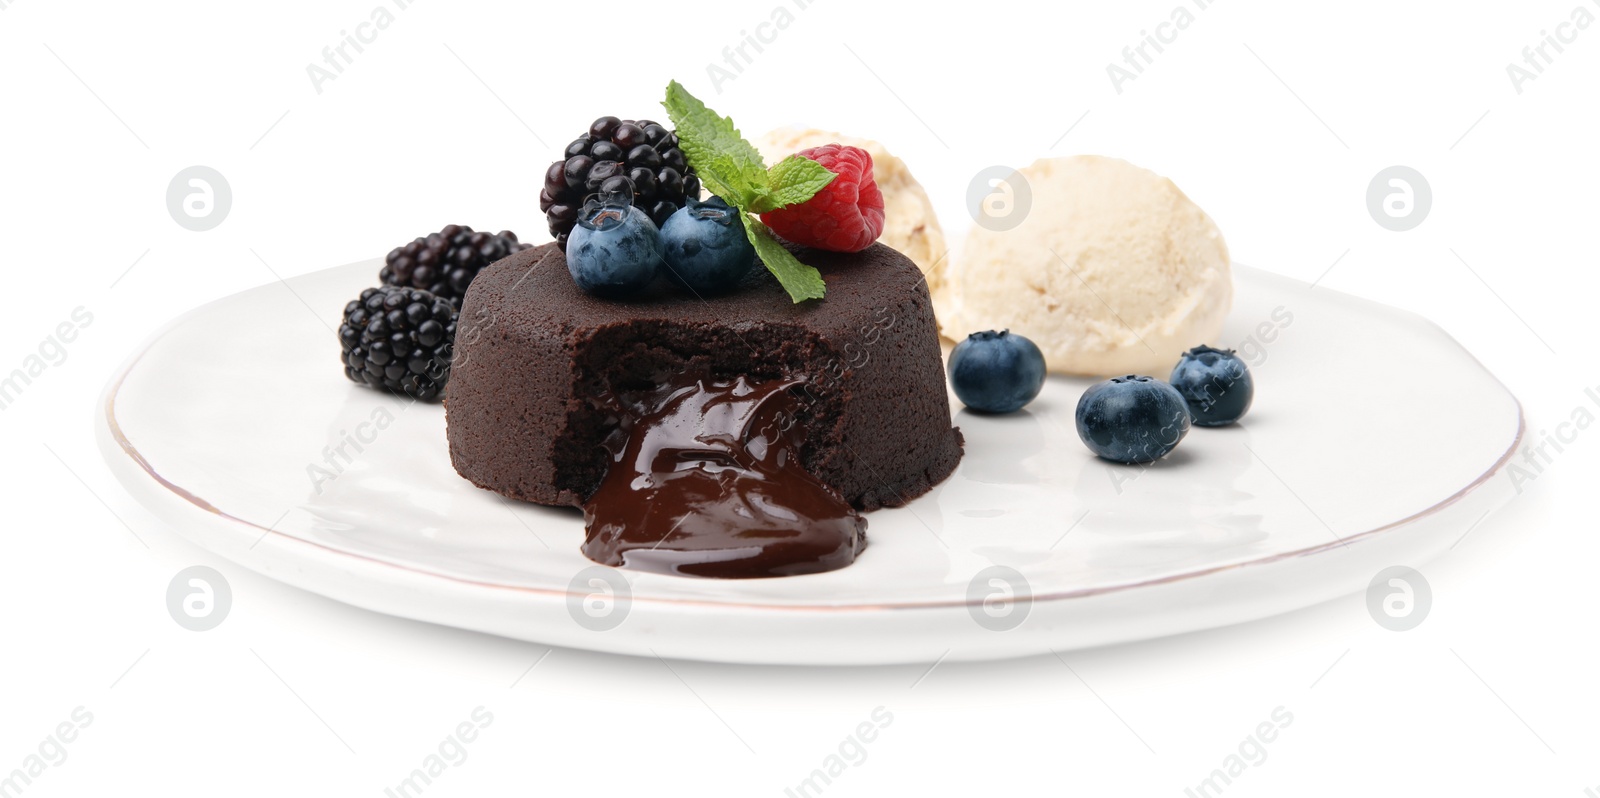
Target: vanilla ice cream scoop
<point>909,223</point>
<point>1111,270</point>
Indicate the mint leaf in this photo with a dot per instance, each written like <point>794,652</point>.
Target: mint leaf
<point>740,187</point>
<point>793,181</point>
<point>801,281</point>
<point>725,161</point>
<point>756,175</point>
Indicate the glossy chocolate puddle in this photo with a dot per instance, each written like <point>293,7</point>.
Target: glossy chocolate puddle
<point>708,483</point>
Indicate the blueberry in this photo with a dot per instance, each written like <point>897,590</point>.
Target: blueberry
<point>614,249</point>
<point>1132,419</point>
<point>705,247</point>
<point>1216,384</point>
<point>996,372</point>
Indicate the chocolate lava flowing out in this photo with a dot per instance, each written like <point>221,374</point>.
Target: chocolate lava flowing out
<point>709,484</point>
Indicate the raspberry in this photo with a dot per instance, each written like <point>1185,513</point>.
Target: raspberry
<point>845,216</point>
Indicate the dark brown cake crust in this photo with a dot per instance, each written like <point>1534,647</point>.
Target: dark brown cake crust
<point>535,356</point>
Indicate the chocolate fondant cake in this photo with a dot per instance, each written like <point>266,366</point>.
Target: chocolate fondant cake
<point>541,370</point>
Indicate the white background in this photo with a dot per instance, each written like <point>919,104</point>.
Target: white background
<point>1273,116</point>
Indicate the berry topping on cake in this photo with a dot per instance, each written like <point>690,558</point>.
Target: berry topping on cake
<point>846,215</point>
<point>615,249</point>
<point>734,171</point>
<point>705,248</point>
<point>399,340</point>
<point>444,263</point>
<point>639,157</point>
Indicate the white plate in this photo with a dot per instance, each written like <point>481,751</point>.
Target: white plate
<point>1374,441</point>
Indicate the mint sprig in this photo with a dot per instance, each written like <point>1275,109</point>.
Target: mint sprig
<point>732,168</point>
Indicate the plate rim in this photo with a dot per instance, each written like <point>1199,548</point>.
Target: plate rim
<point>108,423</point>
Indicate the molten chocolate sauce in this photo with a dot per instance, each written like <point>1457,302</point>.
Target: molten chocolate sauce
<point>709,483</point>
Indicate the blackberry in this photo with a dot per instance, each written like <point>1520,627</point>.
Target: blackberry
<point>444,263</point>
<point>399,339</point>
<point>640,157</point>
